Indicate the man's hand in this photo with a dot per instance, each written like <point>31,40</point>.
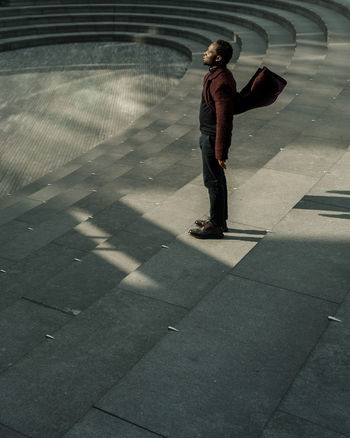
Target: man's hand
<point>222,163</point>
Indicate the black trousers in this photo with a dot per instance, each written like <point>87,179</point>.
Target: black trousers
<point>214,180</point>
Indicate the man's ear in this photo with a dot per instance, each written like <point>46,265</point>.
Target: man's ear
<point>218,58</point>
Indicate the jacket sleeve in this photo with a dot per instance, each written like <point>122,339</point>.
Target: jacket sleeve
<point>223,97</point>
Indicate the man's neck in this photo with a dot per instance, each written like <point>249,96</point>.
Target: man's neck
<point>215,67</point>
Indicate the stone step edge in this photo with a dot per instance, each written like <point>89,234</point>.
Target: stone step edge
<point>214,5</point>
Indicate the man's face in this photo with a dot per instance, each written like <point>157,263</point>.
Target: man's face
<point>210,57</point>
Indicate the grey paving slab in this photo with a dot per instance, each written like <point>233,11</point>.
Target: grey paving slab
<point>189,268</point>
<point>248,152</point>
<point>141,122</point>
<point>191,197</point>
<point>341,103</point>
<point>46,193</point>
<point>248,123</point>
<point>192,135</point>
<point>57,383</point>
<point>307,252</point>
<point>310,156</point>
<point>157,188</point>
<point>146,190</point>
<point>68,180</point>
<point>255,147</point>
<point>332,189</point>
<point>6,265</point>
<point>190,119</point>
<point>93,182</point>
<point>112,218</point>
<point>150,167</point>
<point>50,177</point>
<point>183,146</point>
<point>47,210</point>
<point>177,176</point>
<point>9,199</point>
<point>179,211</point>
<point>145,135</point>
<point>267,197</point>
<point>284,425</point>
<point>271,134</point>
<point>82,282</point>
<point>302,115</point>
<point>33,271</point>
<point>17,209</point>
<point>133,156</point>
<point>235,177</point>
<point>171,116</point>
<point>177,130</point>
<point>37,237</point>
<point>85,236</point>
<point>334,125</point>
<point>96,174</point>
<point>227,368</point>
<point>26,324</point>
<point>8,433</point>
<point>317,96</point>
<point>193,158</point>
<point>96,201</point>
<point>137,205</point>
<point>159,124</point>
<point>61,126</point>
<point>160,143</point>
<point>324,379</point>
<point>11,229</point>
<point>97,423</point>
<point>335,66</point>
<point>145,227</point>
<point>134,248</point>
<point>99,158</point>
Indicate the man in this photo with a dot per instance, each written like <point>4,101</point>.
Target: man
<point>215,117</point>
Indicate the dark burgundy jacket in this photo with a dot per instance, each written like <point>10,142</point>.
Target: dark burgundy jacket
<point>219,90</point>
<point>221,96</point>
<point>262,90</point>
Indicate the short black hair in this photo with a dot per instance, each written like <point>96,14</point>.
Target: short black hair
<point>225,50</point>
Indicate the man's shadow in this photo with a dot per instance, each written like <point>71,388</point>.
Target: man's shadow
<point>256,235</point>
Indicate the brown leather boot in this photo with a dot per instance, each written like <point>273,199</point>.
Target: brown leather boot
<point>202,222</point>
<point>208,231</point>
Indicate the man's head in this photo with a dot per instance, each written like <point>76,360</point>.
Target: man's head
<point>218,54</point>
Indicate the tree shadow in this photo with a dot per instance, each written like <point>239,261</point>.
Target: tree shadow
<point>337,216</point>
<point>340,192</point>
<point>119,278</point>
<point>328,203</point>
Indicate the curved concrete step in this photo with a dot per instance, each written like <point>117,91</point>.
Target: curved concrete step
<point>335,63</point>
<point>189,11</point>
<point>236,7</point>
<point>74,13</point>
<point>145,8</point>
<point>186,12</point>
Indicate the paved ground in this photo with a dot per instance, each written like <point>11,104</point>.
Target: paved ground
<point>60,101</point>
<point>96,264</point>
